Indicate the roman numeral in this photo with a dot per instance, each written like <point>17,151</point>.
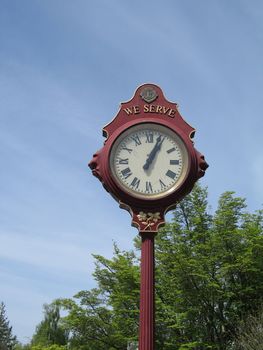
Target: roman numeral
<point>126,173</point>
<point>149,187</point>
<point>149,137</point>
<point>136,139</point>
<point>123,161</point>
<point>127,149</point>
<point>163,186</point>
<point>135,183</point>
<point>171,174</point>
<point>171,150</point>
<point>174,162</point>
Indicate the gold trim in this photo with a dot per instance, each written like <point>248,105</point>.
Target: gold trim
<point>148,219</point>
<point>134,223</point>
<point>105,132</point>
<point>171,207</point>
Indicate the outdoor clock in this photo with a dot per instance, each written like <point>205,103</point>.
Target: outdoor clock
<point>148,162</point>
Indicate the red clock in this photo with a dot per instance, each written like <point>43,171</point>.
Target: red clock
<point>148,162</point>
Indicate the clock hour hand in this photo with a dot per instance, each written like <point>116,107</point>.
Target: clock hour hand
<point>155,149</point>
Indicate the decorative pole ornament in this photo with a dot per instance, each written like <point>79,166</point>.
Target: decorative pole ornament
<point>148,164</point>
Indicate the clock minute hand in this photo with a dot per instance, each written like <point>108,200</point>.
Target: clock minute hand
<point>155,149</point>
<point>152,154</point>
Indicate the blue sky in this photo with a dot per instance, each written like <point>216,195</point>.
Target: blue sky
<point>64,68</point>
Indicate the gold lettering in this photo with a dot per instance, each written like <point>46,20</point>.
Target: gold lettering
<point>152,108</point>
<point>136,109</point>
<point>128,110</point>
<point>156,109</point>
<point>165,110</point>
<point>146,108</point>
<point>159,109</point>
<point>171,113</point>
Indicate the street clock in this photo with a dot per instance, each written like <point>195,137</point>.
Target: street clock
<point>148,162</point>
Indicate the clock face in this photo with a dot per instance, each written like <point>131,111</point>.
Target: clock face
<point>149,161</point>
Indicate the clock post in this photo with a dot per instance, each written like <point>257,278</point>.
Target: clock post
<point>148,164</point>
<point>147,307</point>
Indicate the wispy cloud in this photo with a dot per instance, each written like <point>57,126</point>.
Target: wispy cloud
<point>64,69</point>
<point>51,253</point>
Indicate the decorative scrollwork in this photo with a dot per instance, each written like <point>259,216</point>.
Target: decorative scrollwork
<point>148,219</point>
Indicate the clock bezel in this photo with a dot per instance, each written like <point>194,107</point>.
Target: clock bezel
<point>165,130</point>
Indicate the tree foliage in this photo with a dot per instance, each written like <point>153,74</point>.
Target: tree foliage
<point>209,279</point>
<point>40,347</point>
<point>50,331</point>
<point>209,272</point>
<point>250,335</point>
<point>51,347</point>
<point>106,317</point>
<point>7,340</point>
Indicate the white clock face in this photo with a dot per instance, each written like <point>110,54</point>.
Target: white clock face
<point>149,161</point>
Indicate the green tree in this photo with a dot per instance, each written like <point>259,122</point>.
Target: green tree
<point>40,347</point>
<point>250,335</point>
<point>50,331</point>
<point>209,272</point>
<point>209,277</point>
<point>106,317</point>
<point>7,340</point>
<point>51,347</point>
<point>20,346</point>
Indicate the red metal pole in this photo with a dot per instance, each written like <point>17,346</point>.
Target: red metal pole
<point>147,307</point>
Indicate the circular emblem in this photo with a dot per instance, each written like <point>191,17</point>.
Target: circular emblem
<point>148,94</point>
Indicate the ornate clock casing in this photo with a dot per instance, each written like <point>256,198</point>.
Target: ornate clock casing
<point>148,162</point>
